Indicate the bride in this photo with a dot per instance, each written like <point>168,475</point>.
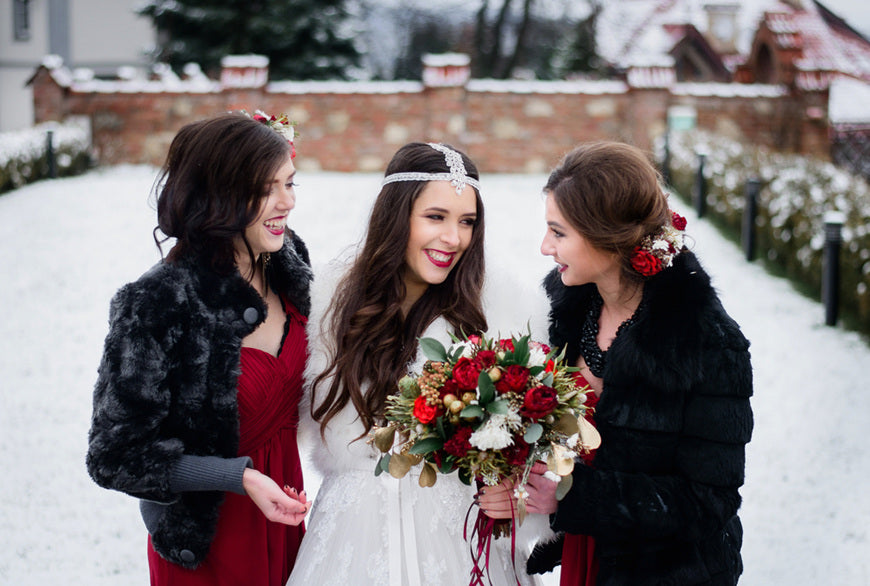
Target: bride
<point>420,273</point>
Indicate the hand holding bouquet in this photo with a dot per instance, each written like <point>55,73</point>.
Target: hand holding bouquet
<point>489,409</point>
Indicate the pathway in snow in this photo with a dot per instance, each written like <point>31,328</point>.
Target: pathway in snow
<point>69,244</point>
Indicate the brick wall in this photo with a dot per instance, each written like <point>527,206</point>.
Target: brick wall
<point>506,126</point>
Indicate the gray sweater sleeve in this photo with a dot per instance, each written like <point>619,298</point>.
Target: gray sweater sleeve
<point>196,473</point>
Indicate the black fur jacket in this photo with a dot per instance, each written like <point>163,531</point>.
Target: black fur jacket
<point>662,496</point>
<point>167,386</point>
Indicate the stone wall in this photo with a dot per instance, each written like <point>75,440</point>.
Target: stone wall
<point>506,126</point>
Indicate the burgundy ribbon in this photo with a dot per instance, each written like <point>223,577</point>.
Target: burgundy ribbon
<point>484,527</point>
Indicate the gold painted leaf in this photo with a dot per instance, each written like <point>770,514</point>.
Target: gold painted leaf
<point>522,513</point>
<point>428,475</point>
<point>560,460</point>
<point>590,439</point>
<point>567,424</point>
<point>400,464</point>
<point>384,437</point>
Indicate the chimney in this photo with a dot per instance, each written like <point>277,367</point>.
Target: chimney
<point>244,71</point>
<point>446,70</point>
<point>722,26</point>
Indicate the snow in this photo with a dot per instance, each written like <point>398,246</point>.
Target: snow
<point>849,101</point>
<point>805,512</point>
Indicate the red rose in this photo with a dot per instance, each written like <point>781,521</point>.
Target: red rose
<point>506,344</point>
<point>485,359</point>
<point>502,387</point>
<point>458,445</point>
<point>465,373</point>
<point>517,453</point>
<point>516,377</point>
<point>540,402</point>
<point>645,263</point>
<point>423,411</point>
<point>678,221</point>
<point>475,339</point>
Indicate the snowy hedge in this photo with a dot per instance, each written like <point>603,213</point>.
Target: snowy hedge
<point>24,153</point>
<point>796,192</point>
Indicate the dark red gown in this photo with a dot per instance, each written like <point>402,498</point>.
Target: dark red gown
<point>579,564</point>
<point>249,549</point>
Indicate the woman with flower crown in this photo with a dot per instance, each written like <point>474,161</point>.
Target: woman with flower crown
<point>419,273</point>
<point>196,403</point>
<point>635,310</point>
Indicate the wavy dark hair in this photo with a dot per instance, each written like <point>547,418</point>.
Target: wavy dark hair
<point>611,194</point>
<point>210,187</point>
<point>371,341</point>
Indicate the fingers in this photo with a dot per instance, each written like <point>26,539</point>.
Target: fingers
<point>539,467</point>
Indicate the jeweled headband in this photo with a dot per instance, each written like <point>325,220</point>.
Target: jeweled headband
<point>458,176</point>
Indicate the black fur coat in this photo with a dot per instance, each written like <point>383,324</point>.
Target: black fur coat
<point>661,500</point>
<point>167,386</point>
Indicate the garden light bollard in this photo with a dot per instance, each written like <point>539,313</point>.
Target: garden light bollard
<point>666,161</point>
<point>750,211</point>
<point>49,154</point>
<point>831,268</point>
<point>700,186</point>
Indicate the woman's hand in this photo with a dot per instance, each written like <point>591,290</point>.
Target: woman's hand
<point>499,502</point>
<point>280,506</point>
<point>541,491</point>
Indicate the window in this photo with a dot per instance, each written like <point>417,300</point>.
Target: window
<point>21,19</point>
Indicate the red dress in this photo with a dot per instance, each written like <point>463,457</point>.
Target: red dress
<point>247,548</point>
<point>579,564</point>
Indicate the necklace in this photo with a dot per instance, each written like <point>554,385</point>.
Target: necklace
<point>594,356</point>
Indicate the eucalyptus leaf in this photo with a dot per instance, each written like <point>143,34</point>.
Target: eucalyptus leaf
<point>433,349</point>
<point>533,433</point>
<point>499,407</point>
<point>400,465</point>
<point>547,379</point>
<point>383,465</point>
<point>472,411</point>
<point>457,354</point>
<point>465,477</point>
<point>426,445</point>
<point>564,486</point>
<point>486,387</point>
<point>536,370</point>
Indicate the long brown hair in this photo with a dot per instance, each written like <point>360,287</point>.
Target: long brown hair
<point>211,184</point>
<point>611,194</point>
<point>371,341</point>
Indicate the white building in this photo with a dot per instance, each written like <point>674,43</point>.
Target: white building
<point>93,34</point>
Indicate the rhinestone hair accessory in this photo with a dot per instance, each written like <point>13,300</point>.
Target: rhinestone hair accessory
<point>458,176</point>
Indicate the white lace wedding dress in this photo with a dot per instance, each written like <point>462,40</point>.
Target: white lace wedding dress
<point>365,529</point>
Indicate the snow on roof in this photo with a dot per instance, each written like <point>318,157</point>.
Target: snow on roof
<point>344,87</point>
<point>260,61</point>
<point>729,90</point>
<point>829,48</point>
<point>446,59</point>
<point>631,31</point>
<point>849,101</point>
<point>579,86</point>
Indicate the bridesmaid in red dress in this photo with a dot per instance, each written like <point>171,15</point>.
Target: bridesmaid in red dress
<point>196,404</point>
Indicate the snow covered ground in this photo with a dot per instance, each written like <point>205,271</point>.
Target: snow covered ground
<point>68,244</point>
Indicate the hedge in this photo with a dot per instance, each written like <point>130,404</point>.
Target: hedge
<point>24,153</point>
<point>796,192</point>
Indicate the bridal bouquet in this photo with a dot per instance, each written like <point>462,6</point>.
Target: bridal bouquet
<point>488,408</point>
